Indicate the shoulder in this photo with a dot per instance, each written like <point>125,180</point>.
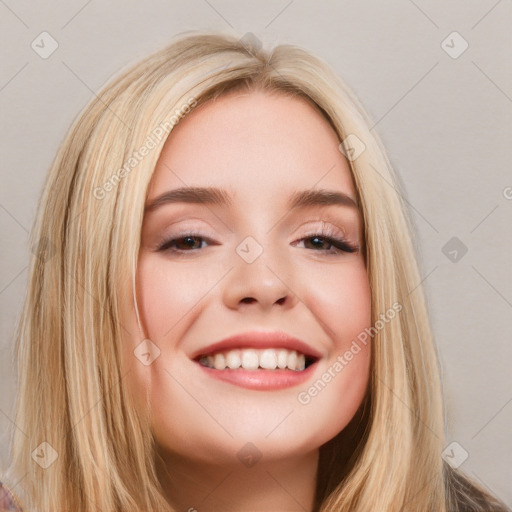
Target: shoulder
<point>8,502</point>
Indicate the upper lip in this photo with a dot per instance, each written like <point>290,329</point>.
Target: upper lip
<point>259,339</point>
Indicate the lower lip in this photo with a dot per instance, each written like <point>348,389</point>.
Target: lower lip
<point>261,379</point>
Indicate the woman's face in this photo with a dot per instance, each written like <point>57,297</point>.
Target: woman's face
<point>251,254</point>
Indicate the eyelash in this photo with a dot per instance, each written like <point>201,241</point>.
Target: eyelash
<point>165,246</point>
<point>327,234</point>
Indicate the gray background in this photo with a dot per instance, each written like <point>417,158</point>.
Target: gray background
<point>445,122</point>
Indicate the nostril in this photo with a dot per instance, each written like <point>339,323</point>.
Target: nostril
<point>248,300</point>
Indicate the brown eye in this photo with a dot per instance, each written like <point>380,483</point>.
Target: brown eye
<point>185,243</point>
<point>329,245</point>
<point>318,241</point>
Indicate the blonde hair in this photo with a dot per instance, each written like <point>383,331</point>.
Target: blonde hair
<point>71,392</point>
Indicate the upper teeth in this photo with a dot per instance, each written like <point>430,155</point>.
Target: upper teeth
<point>252,359</point>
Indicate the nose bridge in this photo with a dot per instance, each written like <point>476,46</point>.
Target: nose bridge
<point>261,273</point>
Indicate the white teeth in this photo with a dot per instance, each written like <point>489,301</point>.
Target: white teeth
<point>292,360</point>
<point>219,361</point>
<point>282,358</point>
<point>268,359</point>
<point>252,359</point>
<point>233,360</point>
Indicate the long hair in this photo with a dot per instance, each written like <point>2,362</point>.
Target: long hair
<point>72,391</point>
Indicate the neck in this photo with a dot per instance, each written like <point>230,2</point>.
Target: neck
<point>285,485</point>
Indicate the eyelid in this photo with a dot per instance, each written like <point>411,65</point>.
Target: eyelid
<point>334,234</point>
<point>326,227</point>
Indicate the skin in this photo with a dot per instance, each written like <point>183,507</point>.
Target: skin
<point>261,148</point>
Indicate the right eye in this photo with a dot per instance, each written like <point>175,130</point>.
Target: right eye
<point>187,242</point>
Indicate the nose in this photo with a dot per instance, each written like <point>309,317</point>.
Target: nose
<point>262,284</point>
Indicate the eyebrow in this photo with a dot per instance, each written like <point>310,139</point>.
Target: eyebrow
<point>320,197</point>
<point>220,197</point>
<point>193,195</point>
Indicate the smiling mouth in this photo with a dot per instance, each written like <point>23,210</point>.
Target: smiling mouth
<point>257,359</point>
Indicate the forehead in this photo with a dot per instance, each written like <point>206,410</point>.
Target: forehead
<point>254,144</point>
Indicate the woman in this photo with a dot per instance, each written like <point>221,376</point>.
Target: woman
<point>219,314</point>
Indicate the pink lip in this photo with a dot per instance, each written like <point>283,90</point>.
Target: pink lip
<point>259,339</point>
<point>263,380</point>
<point>260,379</point>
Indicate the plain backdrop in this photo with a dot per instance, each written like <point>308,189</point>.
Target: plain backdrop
<point>441,102</point>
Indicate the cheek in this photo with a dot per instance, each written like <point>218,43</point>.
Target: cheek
<point>167,296</point>
<point>342,305</point>
<point>341,301</point>
<point>163,301</point>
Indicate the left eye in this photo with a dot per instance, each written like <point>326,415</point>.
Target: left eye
<point>336,245</point>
